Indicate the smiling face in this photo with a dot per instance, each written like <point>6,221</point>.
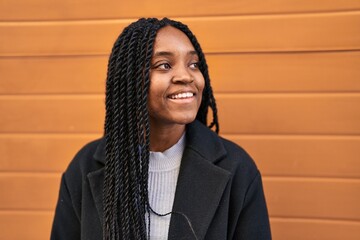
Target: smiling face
<point>176,83</point>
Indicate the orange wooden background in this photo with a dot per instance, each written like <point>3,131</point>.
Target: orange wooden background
<point>286,76</point>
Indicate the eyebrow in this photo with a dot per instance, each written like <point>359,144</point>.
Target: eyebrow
<point>165,53</point>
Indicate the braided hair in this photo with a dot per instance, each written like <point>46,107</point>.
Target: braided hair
<point>127,129</point>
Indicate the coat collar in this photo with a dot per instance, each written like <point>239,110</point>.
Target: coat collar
<point>200,183</point>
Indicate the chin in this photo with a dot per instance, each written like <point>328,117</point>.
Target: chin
<point>173,118</point>
<point>185,119</point>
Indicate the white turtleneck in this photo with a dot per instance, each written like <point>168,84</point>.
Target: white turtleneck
<point>163,174</point>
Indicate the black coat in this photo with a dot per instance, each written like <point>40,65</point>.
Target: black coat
<point>219,189</point>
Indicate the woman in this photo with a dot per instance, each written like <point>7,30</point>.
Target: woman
<point>159,172</point>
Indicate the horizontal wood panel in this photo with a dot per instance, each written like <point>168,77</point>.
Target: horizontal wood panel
<point>245,114</point>
<point>303,156</point>
<point>304,32</point>
<point>29,191</point>
<point>286,197</point>
<point>275,155</point>
<point>25,225</point>
<point>41,153</point>
<point>285,72</point>
<point>313,229</point>
<point>289,114</point>
<point>59,10</point>
<point>313,198</point>
<point>62,114</point>
<point>282,72</point>
<point>314,32</point>
<point>53,75</point>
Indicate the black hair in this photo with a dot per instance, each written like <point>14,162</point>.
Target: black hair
<point>127,129</point>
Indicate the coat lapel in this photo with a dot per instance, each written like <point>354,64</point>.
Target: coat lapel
<point>200,184</point>
<point>96,180</point>
<point>199,188</point>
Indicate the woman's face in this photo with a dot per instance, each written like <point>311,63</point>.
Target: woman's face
<point>176,83</point>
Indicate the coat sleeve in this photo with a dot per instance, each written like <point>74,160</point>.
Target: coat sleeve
<point>253,222</point>
<point>66,224</point>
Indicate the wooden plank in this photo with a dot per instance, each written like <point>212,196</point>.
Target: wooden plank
<point>307,32</point>
<point>313,198</point>
<point>232,73</point>
<point>53,75</point>
<point>40,153</point>
<point>66,9</point>
<point>314,229</point>
<point>25,225</point>
<point>57,114</point>
<point>238,113</point>
<point>29,191</point>
<point>303,156</point>
<point>307,156</point>
<point>303,32</point>
<point>289,113</point>
<point>285,72</point>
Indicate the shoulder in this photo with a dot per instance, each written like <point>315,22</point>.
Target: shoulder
<point>238,162</point>
<point>237,153</point>
<point>85,161</point>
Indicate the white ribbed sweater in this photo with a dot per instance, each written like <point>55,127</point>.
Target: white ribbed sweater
<point>163,174</point>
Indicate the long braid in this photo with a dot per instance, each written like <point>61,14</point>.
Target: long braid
<point>110,206</point>
<point>135,212</point>
<point>128,153</point>
<point>144,136</point>
<point>126,132</point>
<point>127,128</point>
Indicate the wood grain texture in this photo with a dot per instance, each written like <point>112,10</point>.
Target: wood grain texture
<point>314,229</point>
<point>51,75</point>
<point>40,153</point>
<point>303,156</point>
<point>25,225</point>
<point>67,9</point>
<point>285,72</point>
<point>230,73</point>
<point>29,191</point>
<point>313,198</point>
<point>54,114</point>
<point>303,32</point>
<point>289,113</point>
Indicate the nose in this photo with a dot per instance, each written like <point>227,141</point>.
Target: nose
<point>182,75</point>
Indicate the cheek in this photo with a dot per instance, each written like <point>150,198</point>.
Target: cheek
<point>152,100</point>
<point>201,86</point>
<point>155,96</point>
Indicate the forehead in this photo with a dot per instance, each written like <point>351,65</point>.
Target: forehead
<point>170,38</point>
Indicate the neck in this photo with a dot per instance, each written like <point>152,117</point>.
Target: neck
<point>165,136</point>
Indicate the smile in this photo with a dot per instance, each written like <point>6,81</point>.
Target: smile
<point>182,95</point>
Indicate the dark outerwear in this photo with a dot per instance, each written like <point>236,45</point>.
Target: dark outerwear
<point>219,189</point>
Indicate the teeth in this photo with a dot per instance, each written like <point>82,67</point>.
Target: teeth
<point>182,95</point>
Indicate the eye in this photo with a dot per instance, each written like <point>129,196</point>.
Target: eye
<point>194,65</point>
<point>163,66</point>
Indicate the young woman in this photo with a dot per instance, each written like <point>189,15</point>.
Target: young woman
<point>160,172</point>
